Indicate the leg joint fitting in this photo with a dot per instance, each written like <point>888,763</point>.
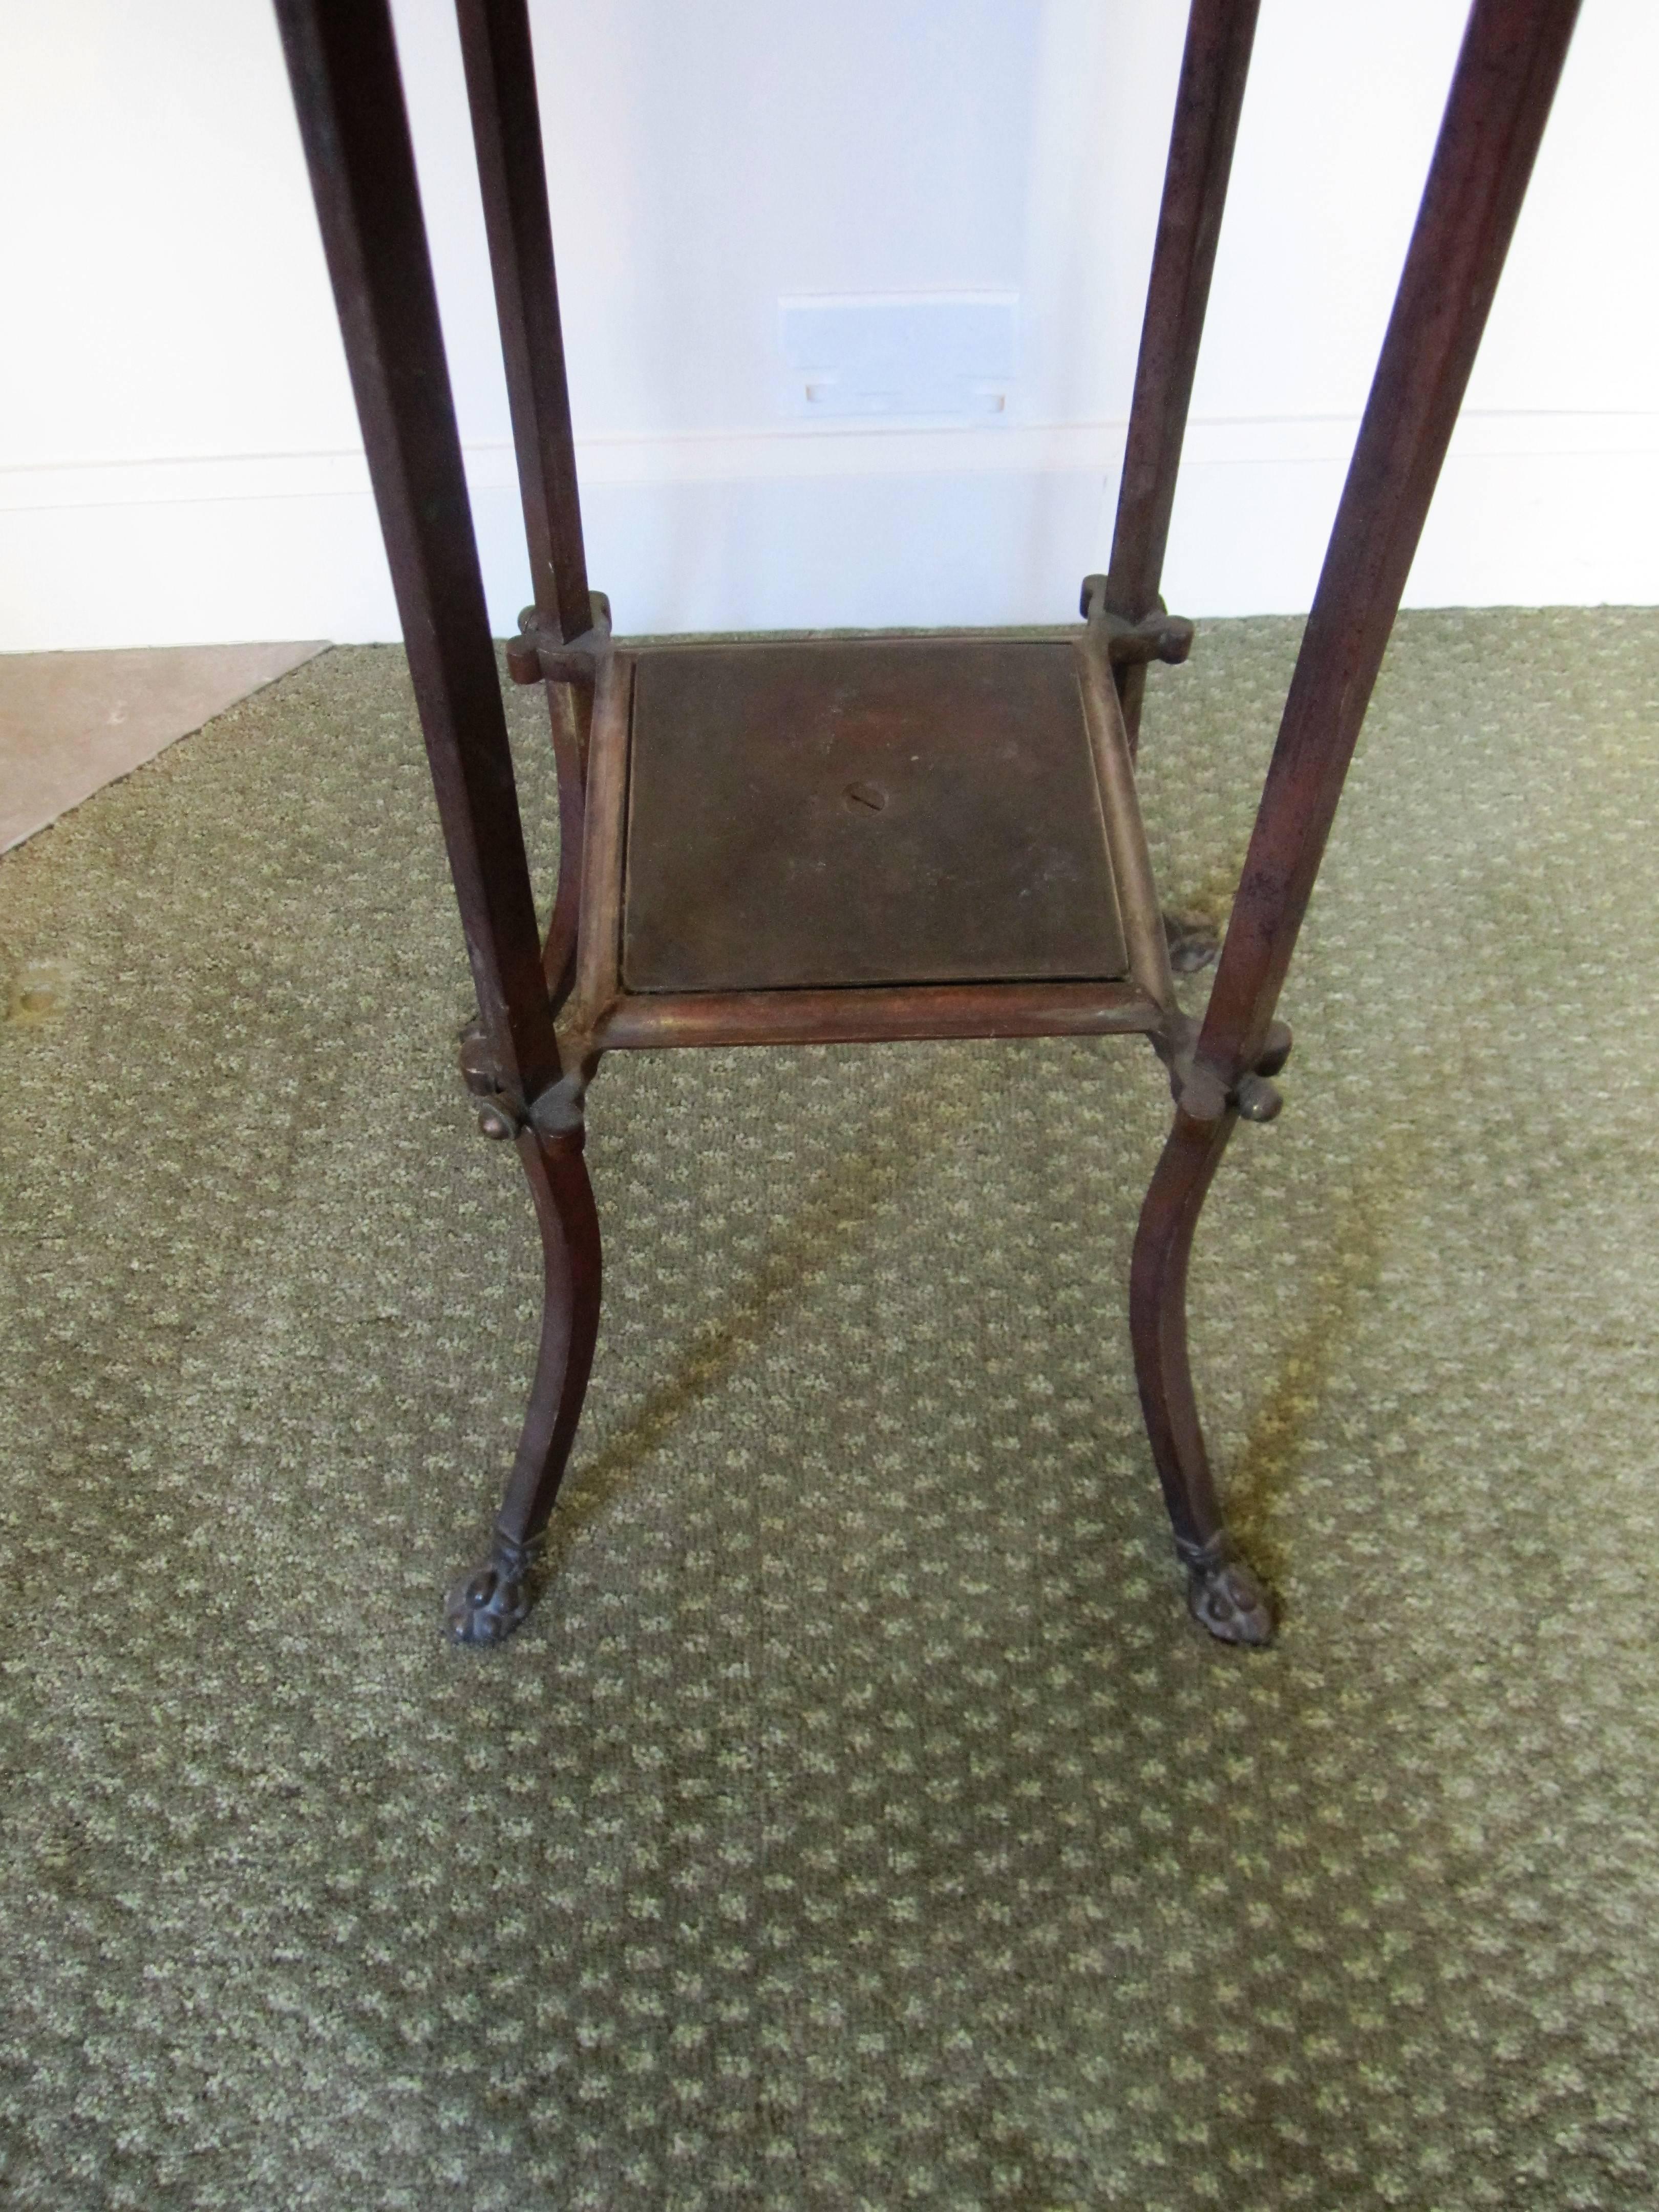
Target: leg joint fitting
<point>1204,1091</point>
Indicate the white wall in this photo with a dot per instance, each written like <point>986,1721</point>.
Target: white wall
<point>178,457</point>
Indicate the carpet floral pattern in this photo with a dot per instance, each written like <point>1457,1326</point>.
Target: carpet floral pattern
<point>859,1822</point>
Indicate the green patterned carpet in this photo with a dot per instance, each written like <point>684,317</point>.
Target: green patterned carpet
<point>860,1822</point>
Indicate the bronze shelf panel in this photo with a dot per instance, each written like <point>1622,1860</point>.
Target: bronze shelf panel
<point>833,813</point>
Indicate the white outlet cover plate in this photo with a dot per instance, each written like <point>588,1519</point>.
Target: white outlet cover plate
<point>948,356</point>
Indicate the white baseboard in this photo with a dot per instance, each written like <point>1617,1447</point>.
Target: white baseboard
<point>785,527</point>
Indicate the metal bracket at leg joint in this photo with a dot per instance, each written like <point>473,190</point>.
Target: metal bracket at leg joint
<point>558,1111</point>
<point>1158,635</point>
<point>1204,1092</point>
<point>539,654</point>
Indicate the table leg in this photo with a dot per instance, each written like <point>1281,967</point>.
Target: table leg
<point>506,134</point>
<point>343,60</point>
<point>1214,65</point>
<point>487,1605</point>
<point>344,64</point>
<point>1222,1590</point>
<point>1506,74</point>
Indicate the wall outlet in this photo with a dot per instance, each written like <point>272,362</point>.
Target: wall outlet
<point>952,354</point>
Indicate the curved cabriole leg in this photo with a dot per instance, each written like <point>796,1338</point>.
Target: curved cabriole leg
<point>487,1605</point>
<point>1505,78</point>
<point>1222,1590</point>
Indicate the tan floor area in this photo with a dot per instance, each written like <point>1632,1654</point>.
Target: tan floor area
<point>72,722</point>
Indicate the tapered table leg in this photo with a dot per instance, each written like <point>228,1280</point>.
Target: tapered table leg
<point>344,64</point>
<point>1506,74</point>
<point>1214,65</point>
<point>507,134</point>
<point>343,59</point>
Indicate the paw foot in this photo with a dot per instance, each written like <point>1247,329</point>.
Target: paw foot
<point>1225,1596</point>
<point>486,1605</point>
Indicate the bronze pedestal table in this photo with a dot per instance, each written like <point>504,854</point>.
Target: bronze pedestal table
<point>860,838</point>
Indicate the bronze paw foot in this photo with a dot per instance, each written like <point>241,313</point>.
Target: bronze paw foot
<point>487,1605</point>
<point>1225,1595</point>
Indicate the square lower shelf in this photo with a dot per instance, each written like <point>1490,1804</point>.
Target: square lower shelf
<point>876,836</point>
